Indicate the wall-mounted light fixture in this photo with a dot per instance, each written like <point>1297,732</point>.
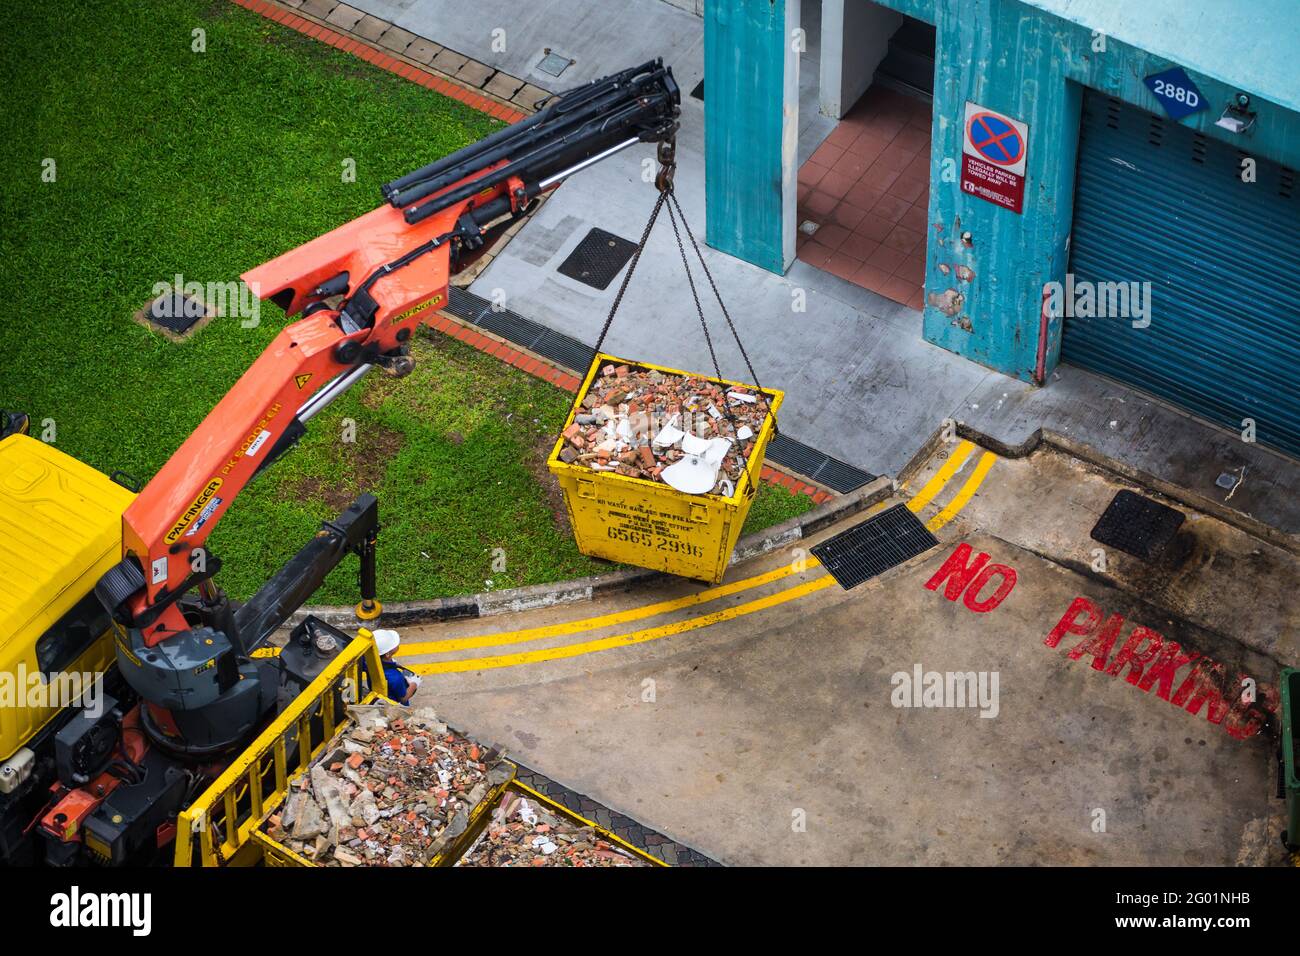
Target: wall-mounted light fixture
<point>1237,116</point>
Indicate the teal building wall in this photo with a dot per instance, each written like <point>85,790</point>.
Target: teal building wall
<point>1026,59</point>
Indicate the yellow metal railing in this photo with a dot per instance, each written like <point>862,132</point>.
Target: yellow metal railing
<point>218,825</point>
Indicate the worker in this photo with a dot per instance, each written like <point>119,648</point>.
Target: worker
<point>13,423</point>
<point>402,684</point>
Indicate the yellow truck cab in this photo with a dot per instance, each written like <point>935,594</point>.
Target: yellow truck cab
<point>60,530</point>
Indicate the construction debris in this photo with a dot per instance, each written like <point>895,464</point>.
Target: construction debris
<point>395,787</point>
<point>524,832</point>
<point>692,433</point>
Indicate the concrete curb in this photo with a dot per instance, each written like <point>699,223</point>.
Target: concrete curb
<point>536,596</point>
<point>1184,496</point>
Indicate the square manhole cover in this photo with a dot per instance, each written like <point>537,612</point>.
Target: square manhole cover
<point>174,314</point>
<point>598,258</point>
<point>874,546</point>
<point>554,64</point>
<point>1137,525</point>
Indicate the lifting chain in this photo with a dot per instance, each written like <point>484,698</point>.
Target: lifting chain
<point>667,156</point>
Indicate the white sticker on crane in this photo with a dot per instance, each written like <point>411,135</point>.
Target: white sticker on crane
<point>160,570</point>
<point>258,442</point>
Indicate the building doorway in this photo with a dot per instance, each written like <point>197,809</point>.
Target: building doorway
<point>863,194</point>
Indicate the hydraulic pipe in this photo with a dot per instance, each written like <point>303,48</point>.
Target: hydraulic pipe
<point>601,109</point>
<point>542,162</point>
<point>555,107</point>
<point>300,577</point>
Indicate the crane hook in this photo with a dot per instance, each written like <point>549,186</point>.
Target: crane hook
<point>667,164</point>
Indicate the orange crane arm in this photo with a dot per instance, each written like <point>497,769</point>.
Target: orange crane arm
<point>166,526</point>
<point>361,290</point>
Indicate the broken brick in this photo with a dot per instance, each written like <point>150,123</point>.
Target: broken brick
<point>414,802</point>
<point>637,422</point>
<point>525,832</point>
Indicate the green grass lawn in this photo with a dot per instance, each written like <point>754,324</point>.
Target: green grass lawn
<point>205,164</point>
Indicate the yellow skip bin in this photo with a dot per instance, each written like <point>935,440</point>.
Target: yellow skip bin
<point>647,523</point>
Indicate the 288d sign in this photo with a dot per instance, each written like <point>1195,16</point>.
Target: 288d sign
<point>1176,92</point>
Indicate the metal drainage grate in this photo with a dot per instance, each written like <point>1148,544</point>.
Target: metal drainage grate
<point>556,346</point>
<point>1137,525</point>
<point>639,835</point>
<point>838,476</point>
<point>815,465</point>
<point>598,258</point>
<point>874,546</point>
<point>175,312</point>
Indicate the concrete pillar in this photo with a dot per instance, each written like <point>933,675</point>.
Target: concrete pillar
<point>751,127</point>
<point>855,39</point>
<point>987,265</point>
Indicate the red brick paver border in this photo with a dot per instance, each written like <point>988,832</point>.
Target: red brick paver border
<point>819,495</point>
<point>377,56</point>
<point>532,364</point>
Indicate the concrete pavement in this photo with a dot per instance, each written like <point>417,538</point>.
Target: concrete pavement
<point>760,722</point>
<point>599,36</point>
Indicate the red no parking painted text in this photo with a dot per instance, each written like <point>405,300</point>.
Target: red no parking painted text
<point>1148,661</point>
<point>968,579</point>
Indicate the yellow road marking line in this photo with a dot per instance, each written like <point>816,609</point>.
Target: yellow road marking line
<point>927,494</point>
<point>941,477</point>
<point>967,492</point>
<point>624,640</point>
<point>605,620</point>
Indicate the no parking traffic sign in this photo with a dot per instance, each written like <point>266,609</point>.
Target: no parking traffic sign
<point>994,148</point>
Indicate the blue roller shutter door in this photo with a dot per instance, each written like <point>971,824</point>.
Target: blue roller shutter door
<point>1157,202</point>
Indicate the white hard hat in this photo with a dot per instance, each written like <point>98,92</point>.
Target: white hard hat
<point>387,641</point>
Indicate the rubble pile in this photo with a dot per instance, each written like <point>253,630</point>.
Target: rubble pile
<point>395,787</point>
<point>684,431</point>
<point>523,832</point>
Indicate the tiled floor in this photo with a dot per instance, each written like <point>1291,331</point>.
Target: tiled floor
<point>867,187</point>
